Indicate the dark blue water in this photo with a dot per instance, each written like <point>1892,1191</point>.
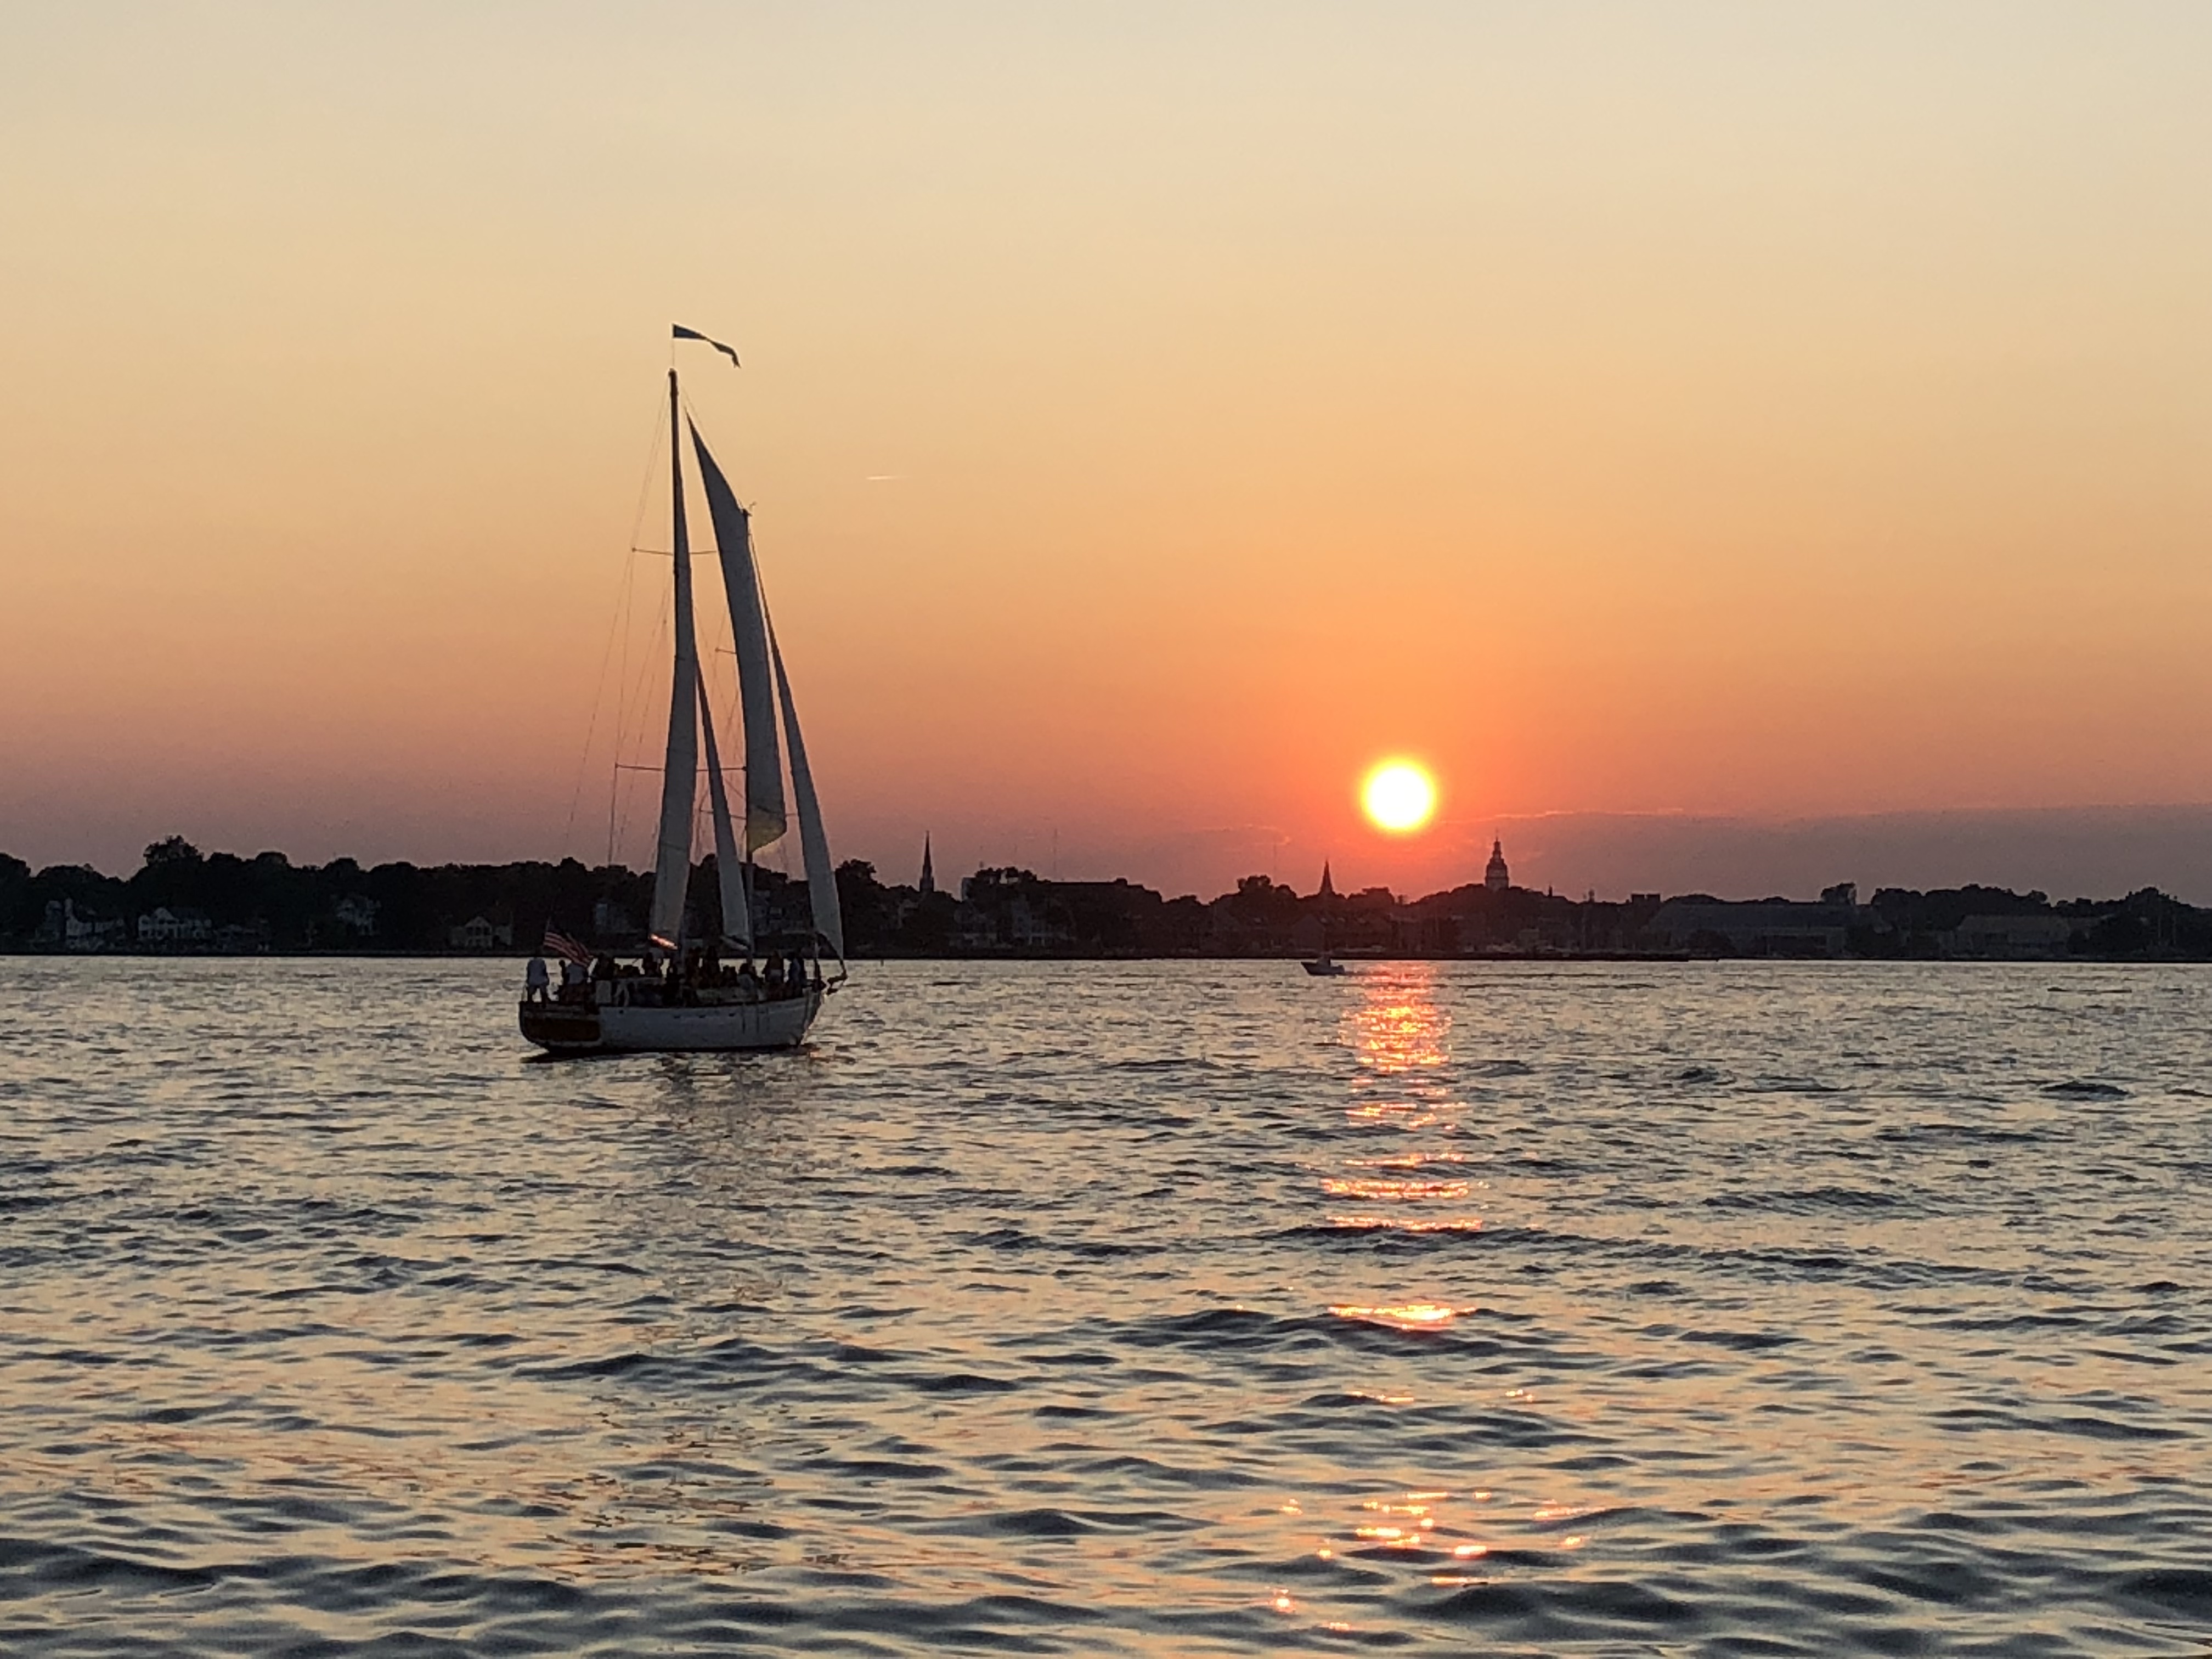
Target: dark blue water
<point>1164,1309</point>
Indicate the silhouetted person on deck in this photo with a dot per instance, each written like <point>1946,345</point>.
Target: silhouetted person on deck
<point>534,981</point>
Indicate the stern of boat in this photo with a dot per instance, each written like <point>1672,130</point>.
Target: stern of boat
<point>562,1028</point>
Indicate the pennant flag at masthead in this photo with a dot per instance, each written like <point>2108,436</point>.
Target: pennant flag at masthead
<point>681,332</point>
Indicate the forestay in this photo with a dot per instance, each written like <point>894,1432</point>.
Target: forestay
<point>679,778</point>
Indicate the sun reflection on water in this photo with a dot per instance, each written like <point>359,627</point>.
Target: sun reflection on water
<point>1400,1223</point>
<point>1397,1026</point>
<point>1446,1537</point>
<point>1409,1161</point>
<point>1367,1186</point>
<point>1405,1317</point>
<point>1400,1031</point>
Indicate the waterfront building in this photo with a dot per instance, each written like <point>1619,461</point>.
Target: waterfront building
<point>1764,928</point>
<point>356,913</point>
<point>72,931</point>
<point>162,925</point>
<point>478,934</point>
<point>2042,935</point>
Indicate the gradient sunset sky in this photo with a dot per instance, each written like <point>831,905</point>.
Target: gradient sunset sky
<point>1153,415</point>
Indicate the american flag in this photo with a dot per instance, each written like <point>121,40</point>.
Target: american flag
<point>567,948</point>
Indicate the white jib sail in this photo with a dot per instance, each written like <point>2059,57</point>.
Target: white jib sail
<point>764,812</point>
<point>729,871</point>
<point>679,778</point>
<point>813,843</point>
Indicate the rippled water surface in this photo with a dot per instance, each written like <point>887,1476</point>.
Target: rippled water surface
<point>1165,1308</point>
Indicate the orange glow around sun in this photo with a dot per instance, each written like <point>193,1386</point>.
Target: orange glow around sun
<point>1399,797</point>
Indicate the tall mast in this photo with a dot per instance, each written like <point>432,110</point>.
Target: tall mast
<point>679,778</point>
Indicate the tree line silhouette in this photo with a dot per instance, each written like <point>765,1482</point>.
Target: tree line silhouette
<point>181,900</point>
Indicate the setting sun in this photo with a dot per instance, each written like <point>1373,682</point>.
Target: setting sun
<point>1398,796</point>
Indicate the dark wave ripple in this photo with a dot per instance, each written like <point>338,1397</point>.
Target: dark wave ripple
<point>1157,1309</point>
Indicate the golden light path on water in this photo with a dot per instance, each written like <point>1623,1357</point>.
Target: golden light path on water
<point>1115,1307</point>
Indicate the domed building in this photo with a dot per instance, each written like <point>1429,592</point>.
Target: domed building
<point>1494,875</point>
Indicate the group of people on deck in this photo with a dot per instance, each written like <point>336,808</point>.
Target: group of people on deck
<point>674,981</point>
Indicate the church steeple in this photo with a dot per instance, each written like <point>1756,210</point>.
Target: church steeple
<point>927,884</point>
<point>1495,876</point>
<point>1327,887</point>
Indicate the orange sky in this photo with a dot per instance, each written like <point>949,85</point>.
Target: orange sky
<point>1152,415</point>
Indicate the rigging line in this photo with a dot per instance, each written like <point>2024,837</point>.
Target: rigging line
<point>637,527</point>
<point>659,647</point>
<point>636,713</point>
<point>629,612</point>
<point>691,414</point>
<point>690,410</point>
<point>645,485</point>
<point>621,694</point>
<point>599,698</point>
<point>661,632</point>
<point>636,691</point>
<point>620,609</point>
<point>629,800</point>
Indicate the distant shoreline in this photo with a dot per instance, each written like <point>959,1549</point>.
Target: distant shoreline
<point>181,904</point>
<point>1653,958</point>
<point>136,954</point>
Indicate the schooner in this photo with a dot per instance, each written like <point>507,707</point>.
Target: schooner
<point>685,996</point>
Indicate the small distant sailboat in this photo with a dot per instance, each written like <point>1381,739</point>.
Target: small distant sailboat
<point>685,997</point>
<point>1324,966</point>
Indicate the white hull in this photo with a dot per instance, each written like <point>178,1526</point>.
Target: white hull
<point>570,1029</point>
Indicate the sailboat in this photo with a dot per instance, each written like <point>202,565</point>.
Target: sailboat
<point>684,996</point>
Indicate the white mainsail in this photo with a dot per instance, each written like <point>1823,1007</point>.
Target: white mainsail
<point>813,842</point>
<point>764,812</point>
<point>679,779</point>
<point>729,871</point>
